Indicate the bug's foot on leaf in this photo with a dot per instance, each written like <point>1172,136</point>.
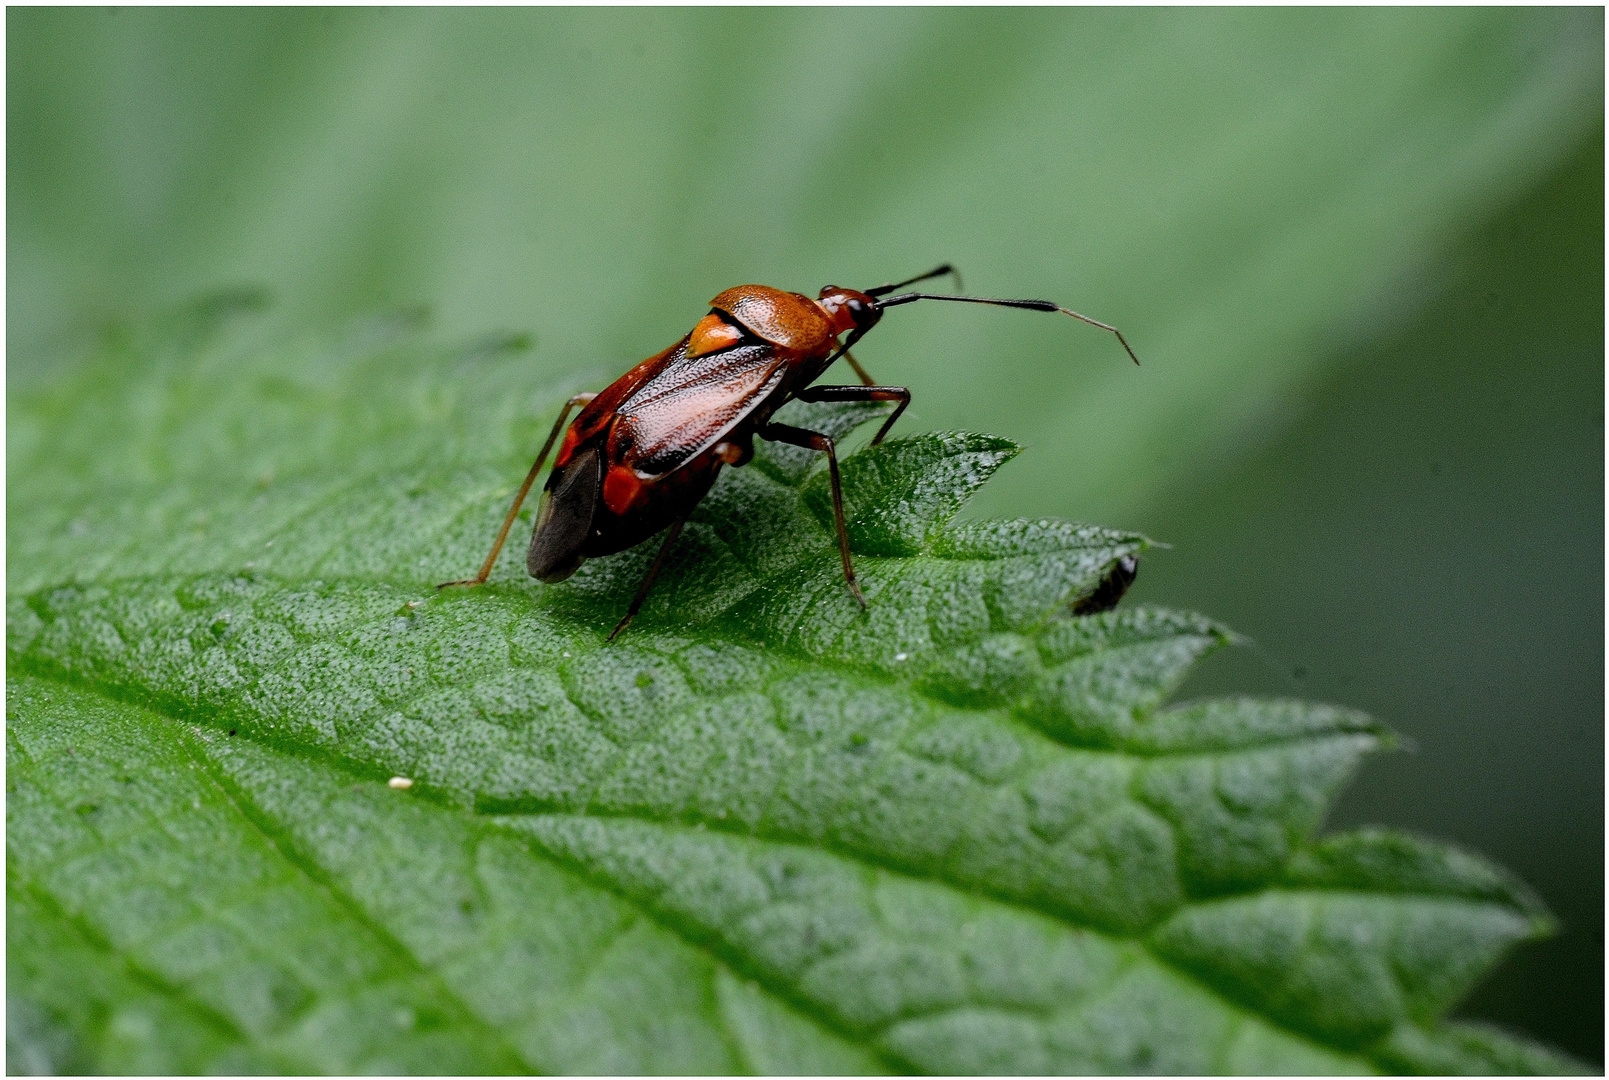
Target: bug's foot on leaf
<point>619,626</point>
<point>465,581</point>
<point>854,587</point>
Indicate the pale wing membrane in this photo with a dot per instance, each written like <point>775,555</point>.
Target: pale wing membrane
<point>691,403</point>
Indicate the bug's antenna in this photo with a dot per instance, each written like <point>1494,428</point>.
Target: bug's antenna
<point>937,271</point>
<point>1031,305</point>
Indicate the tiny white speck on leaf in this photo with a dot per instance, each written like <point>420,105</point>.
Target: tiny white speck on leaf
<point>900,657</point>
<point>400,783</point>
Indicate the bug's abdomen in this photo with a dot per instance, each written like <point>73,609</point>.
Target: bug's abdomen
<point>577,522</point>
<point>649,506</point>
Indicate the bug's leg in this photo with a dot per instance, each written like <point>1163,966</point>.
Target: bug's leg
<point>815,440</point>
<point>862,393</point>
<point>648,582</point>
<point>865,379</point>
<point>525,488</point>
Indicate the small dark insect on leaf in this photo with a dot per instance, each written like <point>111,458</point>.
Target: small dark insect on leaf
<point>1104,597</point>
<point>643,452</point>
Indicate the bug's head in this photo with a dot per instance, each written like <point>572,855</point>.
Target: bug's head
<point>849,309</point>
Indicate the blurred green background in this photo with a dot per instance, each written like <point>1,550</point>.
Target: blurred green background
<point>1360,252</point>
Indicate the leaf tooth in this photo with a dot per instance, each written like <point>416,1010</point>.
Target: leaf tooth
<point>1106,673</point>
<point>1471,1049</point>
<point>1345,966</point>
<point>1240,814</point>
<point>1384,860</point>
<point>1011,538</point>
<point>1238,723</point>
<point>899,492</point>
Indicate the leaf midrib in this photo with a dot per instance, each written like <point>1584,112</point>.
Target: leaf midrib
<point>308,867</point>
<point>786,648</point>
<point>693,938</point>
<point>260,823</point>
<point>175,708</point>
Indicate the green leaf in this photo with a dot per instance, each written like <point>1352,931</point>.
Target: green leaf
<point>962,831</point>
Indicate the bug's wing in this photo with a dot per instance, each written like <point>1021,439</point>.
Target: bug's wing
<point>565,518</point>
<point>690,404</point>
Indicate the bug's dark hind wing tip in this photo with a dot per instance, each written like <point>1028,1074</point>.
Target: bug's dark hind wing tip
<point>559,573</point>
<point>565,519</point>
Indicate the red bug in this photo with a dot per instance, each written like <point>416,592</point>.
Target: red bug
<point>644,451</point>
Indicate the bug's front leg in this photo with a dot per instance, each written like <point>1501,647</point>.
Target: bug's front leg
<point>861,393</point>
<point>525,488</point>
<point>815,440</point>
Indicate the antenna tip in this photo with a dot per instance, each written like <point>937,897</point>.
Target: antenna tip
<point>1126,349</point>
<point>1121,340</point>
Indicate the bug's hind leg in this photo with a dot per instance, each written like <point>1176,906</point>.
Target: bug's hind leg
<point>815,440</point>
<point>648,582</point>
<point>865,379</point>
<point>525,489</point>
<point>861,393</point>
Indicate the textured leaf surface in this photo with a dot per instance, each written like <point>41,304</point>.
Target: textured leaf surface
<point>764,831</point>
